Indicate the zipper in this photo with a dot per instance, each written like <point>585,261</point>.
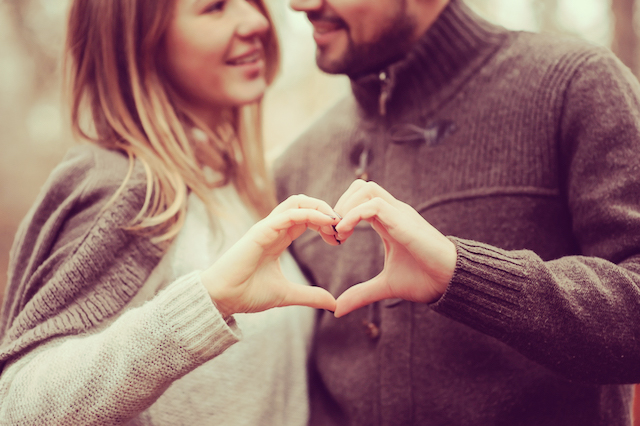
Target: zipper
<point>385,91</point>
<point>363,163</point>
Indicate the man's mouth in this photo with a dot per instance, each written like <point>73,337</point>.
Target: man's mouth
<point>323,26</point>
<point>326,28</point>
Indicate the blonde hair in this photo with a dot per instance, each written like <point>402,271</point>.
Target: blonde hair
<point>114,73</point>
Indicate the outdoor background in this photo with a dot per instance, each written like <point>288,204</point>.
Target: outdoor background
<point>34,135</point>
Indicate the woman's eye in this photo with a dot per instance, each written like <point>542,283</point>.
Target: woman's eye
<point>216,6</point>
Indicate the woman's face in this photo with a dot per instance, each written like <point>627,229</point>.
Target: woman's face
<point>214,52</point>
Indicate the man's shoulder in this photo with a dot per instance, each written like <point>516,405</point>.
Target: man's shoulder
<point>340,118</point>
<point>550,49</point>
<point>307,157</point>
<point>330,130</point>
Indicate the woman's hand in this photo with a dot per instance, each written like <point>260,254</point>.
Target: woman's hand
<point>247,278</point>
<point>419,260</point>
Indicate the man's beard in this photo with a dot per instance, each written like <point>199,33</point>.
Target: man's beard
<point>365,58</point>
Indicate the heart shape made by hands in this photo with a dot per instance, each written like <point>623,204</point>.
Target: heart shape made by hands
<point>419,260</point>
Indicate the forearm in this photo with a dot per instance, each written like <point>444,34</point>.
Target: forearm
<point>113,375</point>
<point>576,315</point>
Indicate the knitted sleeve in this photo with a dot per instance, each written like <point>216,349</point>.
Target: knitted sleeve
<point>577,315</point>
<point>109,376</point>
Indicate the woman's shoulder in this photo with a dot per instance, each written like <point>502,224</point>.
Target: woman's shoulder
<point>79,191</point>
<point>94,166</point>
<point>76,229</point>
<point>89,183</point>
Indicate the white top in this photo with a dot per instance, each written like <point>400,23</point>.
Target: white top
<point>170,345</point>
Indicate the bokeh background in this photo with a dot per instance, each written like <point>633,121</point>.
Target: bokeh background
<point>33,131</point>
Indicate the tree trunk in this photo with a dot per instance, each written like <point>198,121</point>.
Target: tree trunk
<point>547,15</point>
<point>625,37</point>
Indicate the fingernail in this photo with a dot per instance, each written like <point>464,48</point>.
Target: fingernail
<point>337,214</point>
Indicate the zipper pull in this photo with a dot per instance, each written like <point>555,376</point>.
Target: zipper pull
<point>363,162</point>
<point>384,93</point>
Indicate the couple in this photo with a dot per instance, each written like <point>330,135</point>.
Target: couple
<point>143,278</point>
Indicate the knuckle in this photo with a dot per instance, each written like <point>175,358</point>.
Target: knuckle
<point>295,199</point>
<point>377,202</point>
<point>358,183</point>
<point>372,186</point>
<point>302,198</point>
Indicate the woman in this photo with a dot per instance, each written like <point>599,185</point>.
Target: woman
<point>124,276</point>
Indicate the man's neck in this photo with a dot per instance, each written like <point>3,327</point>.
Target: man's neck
<point>455,44</point>
<point>426,13</point>
<point>423,14</point>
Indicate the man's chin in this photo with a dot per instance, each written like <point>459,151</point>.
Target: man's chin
<point>351,63</point>
<point>330,65</point>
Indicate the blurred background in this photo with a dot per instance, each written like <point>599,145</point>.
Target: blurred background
<point>34,134</point>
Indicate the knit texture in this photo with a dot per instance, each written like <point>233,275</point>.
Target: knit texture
<point>167,357</point>
<point>524,149</point>
<point>72,265</point>
<point>110,376</point>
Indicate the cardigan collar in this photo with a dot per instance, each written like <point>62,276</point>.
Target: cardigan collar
<point>456,41</point>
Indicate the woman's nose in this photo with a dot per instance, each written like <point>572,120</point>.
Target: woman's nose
<point>306,5</point>
<point>252,20</point>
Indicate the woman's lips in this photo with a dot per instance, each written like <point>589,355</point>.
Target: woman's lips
<point>246,58</point>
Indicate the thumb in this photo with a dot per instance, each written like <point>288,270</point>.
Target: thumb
<point>314,297</point>
<point>362,294</point>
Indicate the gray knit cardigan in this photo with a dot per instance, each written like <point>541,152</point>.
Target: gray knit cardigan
<point>72,265</point>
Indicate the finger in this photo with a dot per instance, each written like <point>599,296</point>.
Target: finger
<point>302,201</point>
<point>308,217</point>
<point>314,297</point>
<point>376,209</point>
<point>361,192</point>
<point>296,221</point>
<point>332,240</point>
<point>328,237</point>
<point>328,233</point>
<point>355,186</point>
<point>360,295</point>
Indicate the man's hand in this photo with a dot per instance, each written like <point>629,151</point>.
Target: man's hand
<point>419,260</point>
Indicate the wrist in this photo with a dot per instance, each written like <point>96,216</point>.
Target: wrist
<point>449,262</point>
<point>217,294</point>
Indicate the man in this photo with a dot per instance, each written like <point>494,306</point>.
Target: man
<point>524,151</point>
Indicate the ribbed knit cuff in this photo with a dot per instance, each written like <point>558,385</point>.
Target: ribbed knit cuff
<point>198,325</point>
<point>485,290</point>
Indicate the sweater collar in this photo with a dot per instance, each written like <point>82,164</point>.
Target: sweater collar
<point>447,52</point>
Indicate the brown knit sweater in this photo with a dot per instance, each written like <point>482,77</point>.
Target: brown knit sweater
<point>525,149</point>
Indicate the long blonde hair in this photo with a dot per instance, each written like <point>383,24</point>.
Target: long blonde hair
<point>114,75</point>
